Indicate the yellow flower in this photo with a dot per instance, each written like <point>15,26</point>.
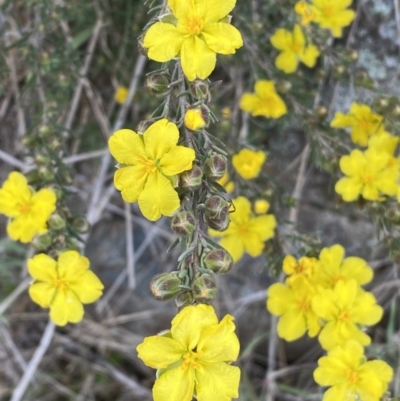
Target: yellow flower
<point>28,210</point>
<point>293,305</point>
<point>194,357</point>
<point>352,378</point>
<point>304,9</point>
<point>294,48</point>
<point>385,142</point>
<point>261,206</point>
<point>245,233</point>
<point>228,185</point>
<point>332,268</point>
<point>248,163</point>
<point>63,285</point>
<point>121,94</point>
<point>305,267</point>
<point>199,33</point>
<point>149,164</point>
<point>344,308</point>
<point>194,120</point>
<point>367,175</point>
<point>264,102</point>
<point>333,14</point>
<point>362,122</point>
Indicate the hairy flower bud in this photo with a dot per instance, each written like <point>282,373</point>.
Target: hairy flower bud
<point>45,173</point>
<point>215,166</point>
<point>199,89</point>
<point>381,104</point>
<point>321,112</point>
<point>165,286</point>
<point>204,288</point>
<point>217,213</point>
<point>283,86</point>
<point>184,299</point>
<point>56,222</point>
<point>350,55</point>
<point>81,225</point>
<point>42,242</point>
<point>183,223</point>
<point>157,83</point>
<point>339,71</point>
<point>219,261</point>
<point>191,179</point>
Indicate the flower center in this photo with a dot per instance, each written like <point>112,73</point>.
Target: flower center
<point>60,284</point>
<point>364,124</point>
<point>296,47</point>
<point>190,360</point>
<point>149,165</point>
<point>344,316</point>
<point>304,305</point>
<point>352,376</point>
<point>329,10</point>
<point>194,25</point>
<point>25,208</point>
<point>243,230</point>
<point>368,178</point>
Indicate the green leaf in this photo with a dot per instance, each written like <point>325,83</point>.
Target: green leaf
<point>81,38</point>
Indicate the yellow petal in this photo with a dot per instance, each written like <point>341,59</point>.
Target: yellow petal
<point>323,305</point>
<point>222,38</point>
<point>181,8</point>
<point>177,160</point>
<point>287,61</point>
<point>43,268</point>
<point>280,299</point>
<point>249,102</point>
<point>282,39</point>
<point>88,287</point>
<point>126,146</point>
<point>349,188</point>
<point>366,311</point>
<point>219,343</point>
<point>23,229</point>
<point>198,60</point>
<point>298,37</point>
<point>160,138</point>
<point>292,325</point>
<point>263,226</point>
<point>342,121</point>
<point>217,381</point>
<point>158,197</point>
<point>289,264</point>
<point>66,308</point>
<point>43,204</point>
<point>331,258</point>
<point>309,55</point>
<point>194,119</point>
<point>159,351</point>
<point>163,42</point>
<point>130,181</point>
<point>357,268</point>
<point>188,325</point>
<point>339,392</point>
<point>42,293</point>
<point>234,245</point>
<point>253,244</point>
<point>354,163</point>
<point>213,11</point>
<point>264,88</point>
<point>71,265</point>
<point>174,385</point>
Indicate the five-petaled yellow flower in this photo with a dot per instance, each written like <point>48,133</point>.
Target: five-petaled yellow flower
<point>199,32</point>
<point>350,376</point>
<point>294,48</point>
<point>246,233</point>
<point>248,163</point>
<point>194,357</point>
<point>264,102</point>
<point>368,175</point>
<point>304,9</point>
<point>362,122</point>
<point>28,210</point>
<point>63,285</point>
<point>332,14</point>
<point>149,165</point>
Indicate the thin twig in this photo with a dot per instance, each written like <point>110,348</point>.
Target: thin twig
<point>12,161</point>
<point>130,251</point>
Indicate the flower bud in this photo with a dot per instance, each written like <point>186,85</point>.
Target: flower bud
<point>40,158</point>
<point>142,50</point>
<point>350,55</point>
<point>56,222</point>
<point>157,83</point>
<point>184,299</point>
<point>321,112</point>
<point>395,112</point>
<point>381,104</point>
<point>44,131</point>
<point>165,286</point>
<point>215,167</point>
<point>204,288</point>
<point>283,86</point>
<point>219,261</point>
<point>217,213</point>
<point>261,206</point>
<point>191,179</point>
<point>183,223</point>
<point>194,119</point>
<point>42,242</point>
<point>45,173</point>
<point>363,79</point>
<point>339,71</point>
<point>199,89</point>
<point>81,225</point>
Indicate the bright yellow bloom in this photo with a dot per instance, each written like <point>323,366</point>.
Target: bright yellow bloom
<point>367,175</point>
<point>194,357</point>
<point>293,305</point>
<point>332,268</point>
<point>121,94</point>
<point>248,163</point>
<point>245,233</point>
<point>228,185</point>
<point>305,267</point>
<point>352,378</point>
<point>333,15</point>
<point>63,285</point>
<point>304,9</point>
<point>264,102</point>
<point>344,308</point>
<point>198,34</point>
<point>261,206</point>
<point>362,122</point>
<point>149,163</point>
<point>194,120</point>
<point>385,142</point>
<point>28,210</point>
<point>294,48</point>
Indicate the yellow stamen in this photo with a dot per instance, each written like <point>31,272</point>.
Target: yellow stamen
<point>190,360</point>
<point>352,376</point>
<point>60,284</point>
<point>25,208</point>
<point>194,25</point>
<point>304,305</point>
<point>368,178</point>
<point>344,315</point>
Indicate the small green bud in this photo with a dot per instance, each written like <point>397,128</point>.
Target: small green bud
<point>204,288</point>
<point>395,112</point>
<point>42,159</point>
<point>45,173</point>
<point>200,90</point>
<point>54,143</point>
<point>363,79</point>
<point>215,167</point>
<point>339,71</point>
<point>381,104</point>
<point>191,179</point>
<point>157,83</point>
<point>56,222</point>
<point>44,131</point>
<point>283,86</point>
<point>184,299</point>
<point>321,112</point>
<point>219,261</point>
<point>350,55</point>
<point>42,242</point>
<point>165,286</point>
<point>183,223</point>
<point>81,225</point>
<point>217,213</point>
